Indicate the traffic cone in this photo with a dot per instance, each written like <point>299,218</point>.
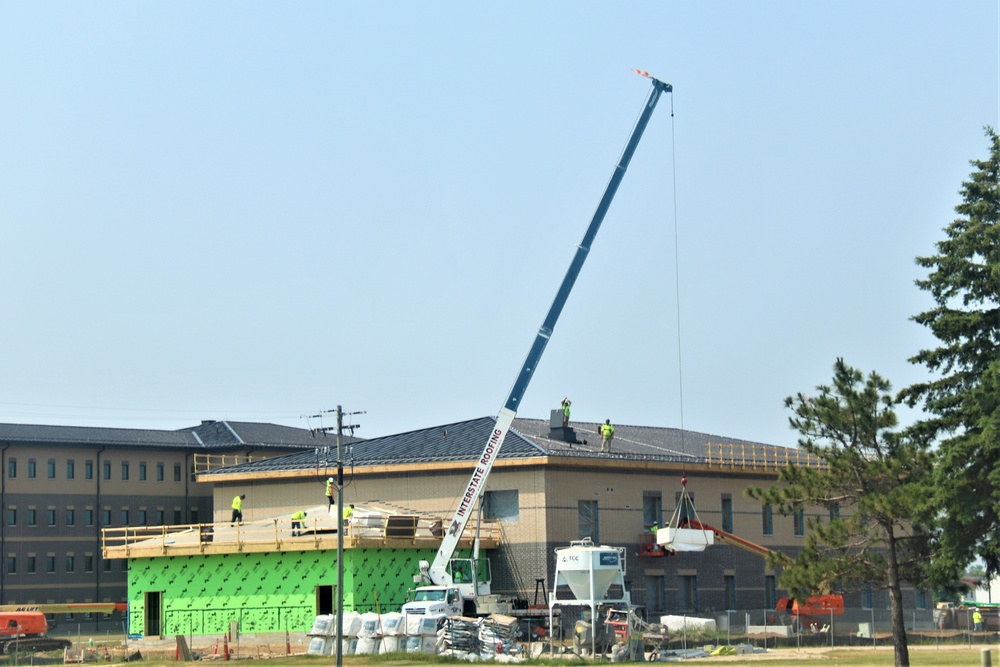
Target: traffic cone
<point>288,644</point>
<point>225,647</point>
<point>216,650</point>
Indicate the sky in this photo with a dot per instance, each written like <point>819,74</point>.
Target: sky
<point>259,211</point>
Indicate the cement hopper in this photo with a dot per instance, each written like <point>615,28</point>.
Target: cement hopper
<point>589,574</point>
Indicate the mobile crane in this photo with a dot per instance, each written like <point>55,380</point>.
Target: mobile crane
<point>437,573</point>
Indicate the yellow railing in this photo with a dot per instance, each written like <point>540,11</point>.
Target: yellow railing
<point>759,457</point>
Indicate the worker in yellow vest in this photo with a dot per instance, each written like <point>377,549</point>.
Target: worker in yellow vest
<point>298,523</point>
<point>237,509</point>
<point>565,408</point>
<point>329,491</point>
<point>607,435</point>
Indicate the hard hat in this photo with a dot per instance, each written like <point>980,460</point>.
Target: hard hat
<point>330,480</point>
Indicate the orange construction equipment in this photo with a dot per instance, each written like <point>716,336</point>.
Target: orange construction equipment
<point>814,608</point>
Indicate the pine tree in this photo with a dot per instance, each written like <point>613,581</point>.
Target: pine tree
<point>962,403</point>
<point>873,488</point>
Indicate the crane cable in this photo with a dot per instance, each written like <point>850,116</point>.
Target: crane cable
<point>677,287</point>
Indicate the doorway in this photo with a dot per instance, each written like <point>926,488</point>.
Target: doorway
<point>153,614</point>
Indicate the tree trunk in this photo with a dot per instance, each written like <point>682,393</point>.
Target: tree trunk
<point>901,648</point>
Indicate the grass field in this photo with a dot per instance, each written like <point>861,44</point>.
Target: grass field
<point>842,657</point>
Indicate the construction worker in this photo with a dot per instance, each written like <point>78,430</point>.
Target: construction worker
<point>237,509</point>
<point>607,435</point>
<point>329,492</point>
<point>298,523</point>
<point>565,407</point>
<point>348,512</point>
<point>977,620</point>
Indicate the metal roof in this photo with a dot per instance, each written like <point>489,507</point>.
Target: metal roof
<point>464,441</point>
<point>461,441</point>
<point>207,435</point>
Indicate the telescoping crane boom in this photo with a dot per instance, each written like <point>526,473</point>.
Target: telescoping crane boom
<point>438,572</point>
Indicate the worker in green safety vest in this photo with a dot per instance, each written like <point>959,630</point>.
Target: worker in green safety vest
<point>329,491</point>
<point>565,408</point>
<point>607,435</point>
<point>298,523</point>
<point>237,509</point>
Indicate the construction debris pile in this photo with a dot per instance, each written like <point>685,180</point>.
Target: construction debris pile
<point>493,637</point>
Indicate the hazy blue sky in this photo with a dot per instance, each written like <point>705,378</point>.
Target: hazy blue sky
<point>255,211</point>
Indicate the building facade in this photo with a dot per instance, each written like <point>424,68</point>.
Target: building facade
<point>61,485</point>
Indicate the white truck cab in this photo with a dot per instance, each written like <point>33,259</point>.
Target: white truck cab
<point>435,600</point>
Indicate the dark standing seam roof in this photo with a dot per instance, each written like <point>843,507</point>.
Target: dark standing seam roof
<point>464,441</point>
<point>461,441</point>
<point>208,435</point>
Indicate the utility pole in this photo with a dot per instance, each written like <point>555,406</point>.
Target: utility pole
<point>340,528</point>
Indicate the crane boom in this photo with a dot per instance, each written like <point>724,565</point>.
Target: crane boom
<point>437,572</point>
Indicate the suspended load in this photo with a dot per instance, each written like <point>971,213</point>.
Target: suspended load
<point>678,535</point>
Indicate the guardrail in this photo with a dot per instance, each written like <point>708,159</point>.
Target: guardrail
<point>759,457</point>
<point>394,530</point>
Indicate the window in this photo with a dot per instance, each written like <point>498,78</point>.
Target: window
<point>727,513</point>
<point>88,517</point>
<point>586,511</point>
<point>159,472</point>
<point>31,516</point>
<point>502,505</point>
<point>178,516</point>
<point>124,516</point>
<point>921,598</point>
<point>124,471</point>
<point>834,511</point>
<point>194,515</point>
<point>70,469</point>
<point>123,565</point>
<point>654,593</point>
<point>142,472</point>
<point>106,516</point>
<point>88,563</point>
<point>867,597</point>
<point>107,470</point>
<point>160,518</point>
<point>798,522</point>
<point>31,564</point>
<point>88,469</point>
<point>11,468</point>
<point>11,516</point>
<point>729,582</point>
<point>50,516</point>
<point>142,517</point>
<point>177,472</point>
<point>11,564</point>
<point>70,516</point>
<point>770,591</point>
<point>31,468</point>
<point>689,592</point>
<point>652,510</point>
<point>107,565</point>
<point>50,563</point>
<point>50,469</point>
<point>70,563</point>
<point>767,518</point>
